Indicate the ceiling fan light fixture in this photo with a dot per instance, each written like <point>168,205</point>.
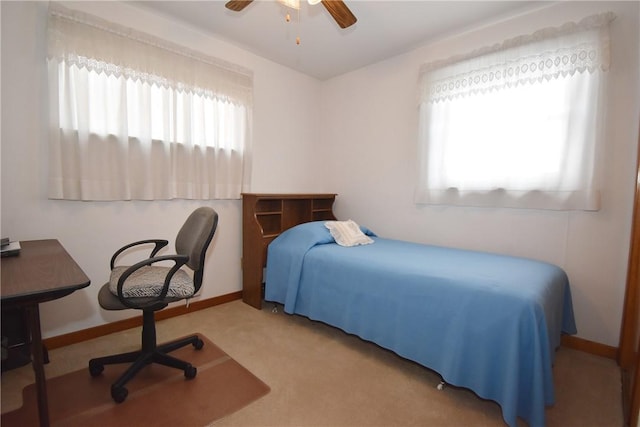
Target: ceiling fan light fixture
<point>293,4</point>
<point>336,8</point>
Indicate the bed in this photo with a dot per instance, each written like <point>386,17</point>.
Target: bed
<point>487,322</point>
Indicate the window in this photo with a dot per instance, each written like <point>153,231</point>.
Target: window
<point>516,125</point>
<point>134,117</point>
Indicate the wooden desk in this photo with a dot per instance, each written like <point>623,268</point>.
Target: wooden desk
<point>43,271</point>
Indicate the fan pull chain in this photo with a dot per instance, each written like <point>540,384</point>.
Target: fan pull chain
<point>287,18</point>
<point>298,36</point>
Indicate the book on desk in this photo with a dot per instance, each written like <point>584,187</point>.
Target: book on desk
<point>9,248</point>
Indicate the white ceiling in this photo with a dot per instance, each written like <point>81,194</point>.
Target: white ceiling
<point>384,28</point>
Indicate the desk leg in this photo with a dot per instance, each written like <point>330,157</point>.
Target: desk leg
<point>33,313</point>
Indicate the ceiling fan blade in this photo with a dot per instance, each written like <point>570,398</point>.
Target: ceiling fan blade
<point>340,12</point>
<point>237,5</point>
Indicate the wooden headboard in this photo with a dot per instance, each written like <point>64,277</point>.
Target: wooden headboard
<point>264,217</point>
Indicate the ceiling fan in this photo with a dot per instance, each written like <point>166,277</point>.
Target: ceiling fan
<point>336,8</point>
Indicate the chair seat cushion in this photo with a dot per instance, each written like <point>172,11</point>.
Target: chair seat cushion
<point>149,280</point>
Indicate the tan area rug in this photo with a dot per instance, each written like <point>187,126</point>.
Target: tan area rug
<point>158,395</point>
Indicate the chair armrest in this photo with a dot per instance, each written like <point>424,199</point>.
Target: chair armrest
<point>159,244</point>
<point>179,261</point>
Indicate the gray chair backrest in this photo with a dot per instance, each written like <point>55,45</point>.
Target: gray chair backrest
<point>194,237</point>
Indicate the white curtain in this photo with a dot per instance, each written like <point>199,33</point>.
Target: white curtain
<point>517,124</point>
<point>135,117</point>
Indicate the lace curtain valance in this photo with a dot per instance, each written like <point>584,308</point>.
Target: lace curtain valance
<point>545,54</point>
<point>95,44</point>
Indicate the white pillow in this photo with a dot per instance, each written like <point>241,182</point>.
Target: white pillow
<point>347,233</point>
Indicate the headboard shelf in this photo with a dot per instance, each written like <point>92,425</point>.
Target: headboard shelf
<point>264,217</point>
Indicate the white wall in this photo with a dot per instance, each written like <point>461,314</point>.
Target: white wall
<point>285,127</point>
<point>371,142</point>
<point>364,150</point>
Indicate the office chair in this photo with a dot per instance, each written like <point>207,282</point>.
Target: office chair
<point>144,286</point>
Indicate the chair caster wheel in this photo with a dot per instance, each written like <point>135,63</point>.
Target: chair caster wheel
<point>198,344</point>
<point>119,394</point>
<point>95,369</point>
<point>190,372</point>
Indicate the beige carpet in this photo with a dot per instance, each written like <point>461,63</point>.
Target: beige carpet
<point>320,376</point>
<point>158,395</point>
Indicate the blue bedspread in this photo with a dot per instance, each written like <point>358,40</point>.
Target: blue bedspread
<point>487,322</point>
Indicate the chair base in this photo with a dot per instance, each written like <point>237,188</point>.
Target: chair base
<point>149,353</point>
